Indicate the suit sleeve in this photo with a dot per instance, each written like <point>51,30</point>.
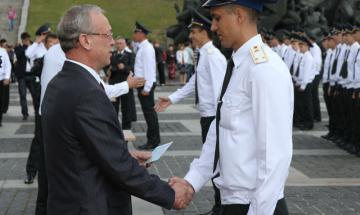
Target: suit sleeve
<point>98,128</point>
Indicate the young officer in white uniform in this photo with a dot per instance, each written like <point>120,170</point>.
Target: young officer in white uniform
<point>145,67</point>
<point>5,72</point>
<point>251,138</point>
<point>205,83</point>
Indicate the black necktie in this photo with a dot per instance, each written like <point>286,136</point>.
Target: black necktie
<point>292,65</point>
<point>227,77</point>
<point>328,72</point>
<point>297,73</point>
<point>333,69</point>
<point>196,79</point>
<point>357,54</point>
<point>102,86</point>
<point>344,71</point>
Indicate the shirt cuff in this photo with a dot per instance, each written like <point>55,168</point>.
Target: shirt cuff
<point>303,86</point>
<point>173,99</point>
<point>126,86</point>
<point>195,179</point>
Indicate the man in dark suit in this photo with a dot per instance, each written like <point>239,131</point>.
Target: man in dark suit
<point>122,64</point>
<point>24,76</point>
<point>90,170</point>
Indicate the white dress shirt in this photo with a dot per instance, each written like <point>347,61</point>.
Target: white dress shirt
<point>357,71</point>
<point>306,72</point>
<point>34,51</point>
<point>183,57</point>
<point>145,64</point>
<point>210,73</point>
<point>353,54</point>
<point>327,65</point>
<point>317,55</point>
<point>297,61</point>
<point>255,134</point>
<point>339,55</point>
<point>53,62</point>
<point>283,50</point>
<point>5,66</point>
<point>289,57</point>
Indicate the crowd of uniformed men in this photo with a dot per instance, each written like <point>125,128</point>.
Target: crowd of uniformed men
<point>334,62</point>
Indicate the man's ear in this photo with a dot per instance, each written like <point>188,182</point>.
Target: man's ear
<point>84,42</point>
<point>240,13</point>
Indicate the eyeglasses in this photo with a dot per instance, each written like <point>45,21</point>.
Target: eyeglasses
<point>107,36</point>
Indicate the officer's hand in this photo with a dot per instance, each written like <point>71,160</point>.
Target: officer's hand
<point>41,38</point>
<point>162,104</point>
<point>141,157</point>
<point>6,82</point>
<point>121,66</point>
<point>144,93</point>
<point>135,82</point>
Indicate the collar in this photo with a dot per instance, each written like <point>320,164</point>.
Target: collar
<point>206,46</point>
<point>90,70</point>
<point>143,43</point>
<point>239,55</point>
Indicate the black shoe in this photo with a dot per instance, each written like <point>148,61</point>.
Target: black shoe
<point>326,136</point>
<point>25,117</point>
<point>29,179</point>
<point>306,128</point>
<point>147,147</point>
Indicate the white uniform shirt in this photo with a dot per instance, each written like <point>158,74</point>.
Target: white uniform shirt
<point>283,50</point>
<point>327,65</point>
<point>210,74</point>
<point>53,62</point>
<point>34,51</point>
<point>339,55</point>
<point>353,54</point>
<point>357,71</point>
<point>5,65</point>
<point>255,134</point>
<point>298,59</point>
<point>183,57</point>
<point>306,72</point>
<point>316,53</point>
<point>145,64</point>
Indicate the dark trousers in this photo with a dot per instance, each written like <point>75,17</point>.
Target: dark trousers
<point>29,83</point>
<point>161,70</point>
<point>348,114</point>
<point>338,112</point>
<point>306,107</point>
<point>356,125</point>
<point>5,98</point>
<point>2,92</point>
<point>42,178</point>
<point>205,123</point>
<point>151,118</point>
<point>316,100</point>
<point>128,109</point>
<point>32,164</point>
<point>327,98</point>
<point>239,209</point>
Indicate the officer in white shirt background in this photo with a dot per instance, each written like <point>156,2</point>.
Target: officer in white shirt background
<point>317,55</point>
<point>251,138</point>
<point>5,73</point>
<point>304,84</point>
<point>205,83</point>
<point>145,67</point>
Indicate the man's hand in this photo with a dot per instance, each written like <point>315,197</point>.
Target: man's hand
<point>162,104</point>
<point>40,38</point>
<point>135,82</point>
<point>184,192</point>
<point>6,82</point>
<point>141,157</point>
<point>144,93</point>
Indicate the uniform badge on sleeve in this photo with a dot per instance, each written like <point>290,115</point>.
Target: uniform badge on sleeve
<point>258,54</point>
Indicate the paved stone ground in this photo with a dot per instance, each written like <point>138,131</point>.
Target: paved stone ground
<point>323,180</point>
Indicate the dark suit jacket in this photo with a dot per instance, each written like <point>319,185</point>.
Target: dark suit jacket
<point>120,75</point>
<point>20,65</point>
<point>87,161</point>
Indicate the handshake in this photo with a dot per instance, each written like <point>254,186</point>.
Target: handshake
<point>184,192</point>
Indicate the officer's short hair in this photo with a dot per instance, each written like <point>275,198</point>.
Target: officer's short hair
<point>50,36</point>
<point>253,14</point>
<point>76,21</point>
<point>24,35</point>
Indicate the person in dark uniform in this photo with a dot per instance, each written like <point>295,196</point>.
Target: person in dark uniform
<point>160,62</point>
<point>23,74</point>
<point>145,66</point>
<point>122,62</point>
